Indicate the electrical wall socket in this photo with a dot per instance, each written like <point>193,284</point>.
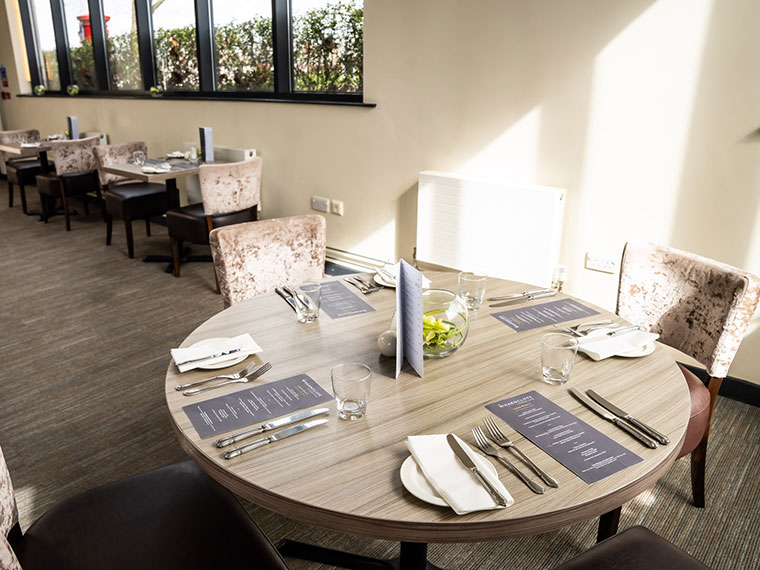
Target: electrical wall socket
<point>320,204</point>
<point>600,262</point>
<point>336,207</point>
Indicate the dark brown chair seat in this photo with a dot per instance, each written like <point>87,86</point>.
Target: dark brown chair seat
<point>173,518</point>
<point>636,548</point>
<point>22,173</point>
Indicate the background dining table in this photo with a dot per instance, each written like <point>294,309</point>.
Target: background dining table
<point>345,475</point>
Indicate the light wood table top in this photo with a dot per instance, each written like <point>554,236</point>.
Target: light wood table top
<point>134,171</point>
<point>345,475</point>
<point>16,148</point>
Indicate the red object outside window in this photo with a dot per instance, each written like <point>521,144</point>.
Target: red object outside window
<point>85,32</point>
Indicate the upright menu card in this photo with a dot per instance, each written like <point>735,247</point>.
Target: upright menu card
<point>207,144</point>
<point>73,126</point>
<point>584,450</point>
<point>409,318</point>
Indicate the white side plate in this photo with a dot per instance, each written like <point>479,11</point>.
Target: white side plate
<point>234,359</point>
<point>416,483</point>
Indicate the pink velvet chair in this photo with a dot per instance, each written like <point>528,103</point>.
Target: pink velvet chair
<point>230,194</point>
<point>254,258</point>
<point>174,518</point>
<point>21,169</point>
<point>698,306</point>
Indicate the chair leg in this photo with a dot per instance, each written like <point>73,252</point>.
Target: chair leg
<point>176,246</point>
<point>66,211</point>
<point>22,193</point>
<point>109,229</point>
<point>699,455</point>
<point>147,227</point>
<point>10,195</point>
<point>130,240</point>
<point>44,207</point>
<point>608,524</point>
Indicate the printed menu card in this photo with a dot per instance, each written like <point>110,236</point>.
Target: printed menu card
<point>527,318</point>
<point>338,302</point>
<point>584,450</point>
<point>409,318</point>
<point>255,405</point>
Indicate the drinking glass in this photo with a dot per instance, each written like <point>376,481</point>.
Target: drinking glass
<point>351,383</point>
<point>472,288</point>
<point>558,352</point>
<point>311,294</point>
<point>138,158</point>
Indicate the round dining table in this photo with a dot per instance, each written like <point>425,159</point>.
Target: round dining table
<point>345,475</point>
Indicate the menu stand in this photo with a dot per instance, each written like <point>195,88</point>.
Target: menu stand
<point>413,556</point>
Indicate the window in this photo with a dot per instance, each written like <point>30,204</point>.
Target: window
<point>254,49</point>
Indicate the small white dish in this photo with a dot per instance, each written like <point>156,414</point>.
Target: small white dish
<point>210,343</point>
<point>416,483</point>
<point>643,351</point>
<point>379,279</point>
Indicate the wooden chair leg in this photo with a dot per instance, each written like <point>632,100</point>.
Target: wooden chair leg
<point>147,227</point>
<point>608,524</point>
<point>22,193</point>
<point>10,195</point>
<point>109,229</point>
<point>699,455</point>
<point>130,240</point>
<point>176,245</point>
<point>44,206</point>
<point>66,210</point>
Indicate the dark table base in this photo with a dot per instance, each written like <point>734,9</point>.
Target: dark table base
<point>413,556</point>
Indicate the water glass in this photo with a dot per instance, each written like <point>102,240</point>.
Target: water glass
<point>472,289</point>
<point>138,158</point>
<point>311,294</point>
<point>558,352</point>
<point>351,383</point>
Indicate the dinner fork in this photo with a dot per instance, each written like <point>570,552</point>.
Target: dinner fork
<point>485,446</point>
<point>370,287</point>
<point>252,376</point>
<point>358,284</point>
<point>234,376</point>
<point>500,439</point>
<point>574,329</point>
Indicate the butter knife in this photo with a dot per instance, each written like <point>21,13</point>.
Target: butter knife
<point>519,295</point>
<point>269,426</point>
<point>622,424</point>
<point>663,439</point>
<point>529,297</point>
<point>274,437</point>
<point>470,464</point>
<point>287,298</point>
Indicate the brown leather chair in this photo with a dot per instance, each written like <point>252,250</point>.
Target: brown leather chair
<point>20,169</point>
<point>636,548</point>
<point>124,199</point>
<point>173,518</point>
<point>75,175</point>
<point>230,194</point>
<point>254,258</point>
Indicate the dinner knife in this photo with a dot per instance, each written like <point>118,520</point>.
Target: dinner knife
<point>287,298</point>
<point>519,295</point>
<point>217,355</point>
<point>626,416</point>
<point>269,426</point>
<point>622,424</point>
<point>529,297</point>
<point>274,437</point>
<point>299,299</point>
<point>470,464</point>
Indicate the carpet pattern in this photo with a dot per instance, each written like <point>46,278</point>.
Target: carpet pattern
<point>84,347</point>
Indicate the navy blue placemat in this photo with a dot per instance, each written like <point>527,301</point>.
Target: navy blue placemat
<point>338,301</point>
<point>584,450</point>
<point>255,405</point>
<point>536,316</point>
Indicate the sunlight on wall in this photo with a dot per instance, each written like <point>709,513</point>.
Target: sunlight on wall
<point>513,155</point>
<point>642,95</point>
<point>376,244</point>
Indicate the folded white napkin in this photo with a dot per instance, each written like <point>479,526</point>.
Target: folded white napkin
<point>197,356</point>
<point>393,271</point>
<point>598,346</point>
<point>450,478</point>
<point>30,144</point>
<point>158,169</point>
<point>176,154</point>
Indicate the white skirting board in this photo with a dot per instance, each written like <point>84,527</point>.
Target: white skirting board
<point>488,226</point>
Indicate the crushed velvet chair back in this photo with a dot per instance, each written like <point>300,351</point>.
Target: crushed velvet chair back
<point>21,136</point>
<point>230,187</point>
<point>698,306</point>
<point>8,517</point>
<point>255,257</point>
<point>74,156</point>
<point>115,154</point>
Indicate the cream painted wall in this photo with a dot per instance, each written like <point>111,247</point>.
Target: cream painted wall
<point>647,111</point>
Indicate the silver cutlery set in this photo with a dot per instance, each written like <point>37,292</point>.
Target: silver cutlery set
<point>247,374</point>
<point>366,287</point>
<point>521,297</point>
<point>616,330</point>
<point>293,298</point>
<point>625,421</point>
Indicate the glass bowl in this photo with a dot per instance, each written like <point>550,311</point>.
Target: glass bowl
<point>444,323</point>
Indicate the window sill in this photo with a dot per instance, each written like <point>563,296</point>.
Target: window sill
<point>305,98</point>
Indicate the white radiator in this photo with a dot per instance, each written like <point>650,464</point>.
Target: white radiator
<point>223,153</point>
<point>488,226</point>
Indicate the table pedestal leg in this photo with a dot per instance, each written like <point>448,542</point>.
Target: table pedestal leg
<point>413,556</point>
<point>608,524</point>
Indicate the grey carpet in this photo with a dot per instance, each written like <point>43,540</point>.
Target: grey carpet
<point>84,347</point>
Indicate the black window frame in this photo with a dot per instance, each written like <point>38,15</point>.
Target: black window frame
<point>281,47</point>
